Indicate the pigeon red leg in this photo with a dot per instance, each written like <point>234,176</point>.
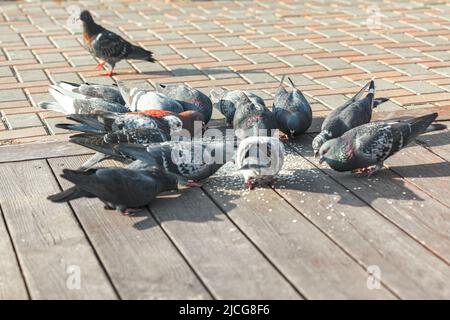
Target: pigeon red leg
<point>250,184</point>
<point>193,184</point>
<point>110,73</point>
<point>100,65</point>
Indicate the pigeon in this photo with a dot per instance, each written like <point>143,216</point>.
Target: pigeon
<point>122,189</point>
<point>252,118</point>
<point>259,159</point>
<point>353,113</point>
<point>292,111</point>
<point>109,93</point>
<point>107,46</point>
<point>364,148</point>
<point>69,101</point>
<point>193,160</point>
<point>226,102</point>
<point>189,98</point>
<point>140,99</point>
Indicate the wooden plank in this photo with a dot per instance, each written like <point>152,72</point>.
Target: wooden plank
<point>32,151</point>
<point>310,260</point>
<point>424,169</point>
<point>410,270</point>
<point>400,202</point>
<point>228,263</point>
<point>47,238</point>
<point>140,259</point>
<point>12,285</point>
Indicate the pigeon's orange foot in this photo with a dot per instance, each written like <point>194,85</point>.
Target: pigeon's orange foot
<point>284,136</point>
<point>129,211</point>
<point>250,184</point>
<point>110,73</point>
<point>361,170</point>
<point>193,184</point>
<point>100,65</point>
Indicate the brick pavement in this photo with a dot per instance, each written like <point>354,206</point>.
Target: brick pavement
<point>329,48</point>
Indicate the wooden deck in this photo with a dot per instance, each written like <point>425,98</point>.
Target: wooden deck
<point>313,236</point>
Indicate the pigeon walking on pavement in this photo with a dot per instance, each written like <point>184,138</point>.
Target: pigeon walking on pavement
<point>109,47</point>
<point>189,98</point>
<point>226,101</point>
<point>353,113</point>
<point>364,148</point>
<point>122,189</point>
<point>292,111</point>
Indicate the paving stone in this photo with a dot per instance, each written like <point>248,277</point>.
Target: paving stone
<point>441,55</point>
<point>192,53</point>
<point>81,61</point>
<point>334,63</point>
<point>372,66</point>
<point>20,121</point>
<point>32,75</point>
<point>301,80</point>
<point>380,84</point>
<point>37,41</point>
<point>200,38</point>
<point>66,43</point>
<point>70,77</point>
<point>12,95</point>
<point>297,60</point>
<point>6,72</point>
<point>405,52</point>
<point>331,47</point>
<point>335,82</point>
<point>261,57</point>
<point>411,69</point>
<point>232,41</point>
<point>332,101</point>
<point>225,55</point>
<point>298,44</point>
<point>420,87</point>
<point>258,77</point>
<point>51,57</point>
<point>264,43</point>
<point>220,73</point>
<point>19,54</point>
<point>185,70</point>
<point>368,49</point>
<point>35,98</point>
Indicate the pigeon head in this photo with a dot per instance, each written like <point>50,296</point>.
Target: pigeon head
<point>326,150</point>
<point>86,16</point>
<point>337,154</point>
<point>192,121</point>
<point>319,140</point>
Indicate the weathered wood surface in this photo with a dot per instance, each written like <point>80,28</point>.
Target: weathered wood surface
<point>313,235</point>
<point>363,233</point>
<point>12,284</point>
<point>47,238</point>
<point>311,261</point>
<point>140,260</point>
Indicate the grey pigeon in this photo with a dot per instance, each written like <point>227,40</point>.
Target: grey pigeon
<point>353,113</point>
<point>140,99</point>
<point>108,46</point>
<point>364,148</point>
<point>259,159</point>
<point>226,101</point>
<point>189,98</point>
<point>252,118</point>
<point>292,111</point>
<point>118,188</point>
<point>109,93</point>
<point>105,130</point>
<point>193,160</point>
<point>70,102</point>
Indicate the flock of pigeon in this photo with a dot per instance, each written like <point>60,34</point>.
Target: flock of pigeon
<point>163,138</point>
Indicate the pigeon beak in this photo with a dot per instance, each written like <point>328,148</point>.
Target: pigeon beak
<point>321,160</point>
<point>316,153</point>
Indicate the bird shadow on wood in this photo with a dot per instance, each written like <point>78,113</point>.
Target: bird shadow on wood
<point>168,208</point>
<point>439,138</point>
<point>425,170</point>
<point>346,187</point>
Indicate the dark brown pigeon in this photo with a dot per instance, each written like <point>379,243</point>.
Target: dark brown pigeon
<point>108,46</point>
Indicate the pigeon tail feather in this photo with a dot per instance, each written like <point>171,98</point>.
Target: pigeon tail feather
<point>67,195</point>
<point>139,53</point>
